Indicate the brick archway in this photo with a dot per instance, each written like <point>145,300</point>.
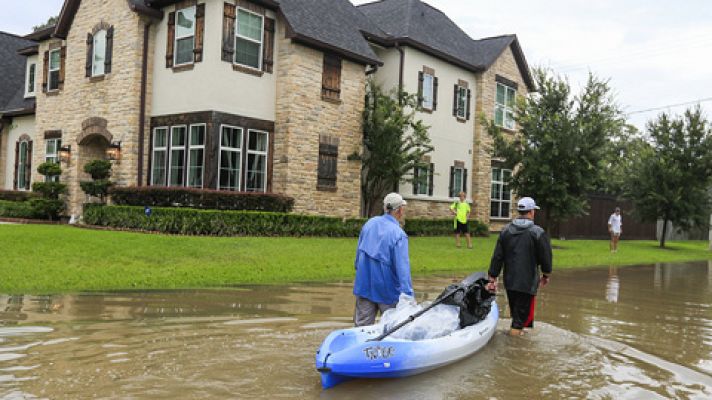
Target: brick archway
<point>94,129</point>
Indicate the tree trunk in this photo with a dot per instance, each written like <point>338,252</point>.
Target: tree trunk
<point>662,237</point>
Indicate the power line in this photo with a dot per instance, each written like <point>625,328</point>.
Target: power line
<point>698,101</point>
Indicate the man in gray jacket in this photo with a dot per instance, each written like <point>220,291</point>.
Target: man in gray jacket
<point>522,249</point>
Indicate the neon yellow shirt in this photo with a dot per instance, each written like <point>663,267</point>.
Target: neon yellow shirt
<point>462,209</point>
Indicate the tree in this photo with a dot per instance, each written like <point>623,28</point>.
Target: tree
<point>671,180</point>
<point>558,154</point>
<point>394,144</point>
<point>621,152</point>
<point>100,170</point>
<point>49,206</point>
<point>51,21</point>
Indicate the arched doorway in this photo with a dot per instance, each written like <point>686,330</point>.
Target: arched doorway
<point>93,142</point>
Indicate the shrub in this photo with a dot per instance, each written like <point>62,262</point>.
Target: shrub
<point>49,206</point>
<point>160,196</point>
<point>441,227</point>
<point>188,221</point>
<point>49,190</point>
<point>16,195</point>
<point>98,169</point>
<point>17,209</point>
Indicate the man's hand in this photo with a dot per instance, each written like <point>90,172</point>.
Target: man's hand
<point>544,280</point>
<point>492,285</point>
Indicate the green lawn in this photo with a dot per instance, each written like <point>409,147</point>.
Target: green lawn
<point>50,259</point>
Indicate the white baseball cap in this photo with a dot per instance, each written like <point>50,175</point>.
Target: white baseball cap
<point>526,204</point>
<point>393,201</point>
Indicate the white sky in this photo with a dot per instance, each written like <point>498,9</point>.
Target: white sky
<point>656,52</point>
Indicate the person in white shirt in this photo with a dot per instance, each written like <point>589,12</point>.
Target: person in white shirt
<point>615,228</point>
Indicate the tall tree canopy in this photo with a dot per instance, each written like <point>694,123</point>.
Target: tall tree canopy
<point>394,144</point>
<point>672,178</point>
<point>51,21</point>
<point>558,154</point>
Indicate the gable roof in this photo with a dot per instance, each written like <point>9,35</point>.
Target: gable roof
<point>422,26</point>
<point>12,78</point>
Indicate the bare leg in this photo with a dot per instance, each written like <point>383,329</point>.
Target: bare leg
<point>457,239</point>
<point>469,240</point>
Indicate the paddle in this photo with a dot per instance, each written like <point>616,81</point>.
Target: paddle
<point>455,288</point>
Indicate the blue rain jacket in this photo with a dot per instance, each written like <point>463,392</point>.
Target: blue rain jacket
<point>382,263</point>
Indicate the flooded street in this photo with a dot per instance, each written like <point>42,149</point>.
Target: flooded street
<point>602,333</point>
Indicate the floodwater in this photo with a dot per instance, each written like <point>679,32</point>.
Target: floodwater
<point>602,333</point>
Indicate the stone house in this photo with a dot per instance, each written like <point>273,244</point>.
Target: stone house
<point>257,95</point>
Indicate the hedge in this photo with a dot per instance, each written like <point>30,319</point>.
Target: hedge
<point>188,221</point>
<point>16,195</point>
<point>19,209</point>
<point>161,196</point>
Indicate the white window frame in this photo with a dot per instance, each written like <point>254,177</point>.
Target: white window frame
<point>159,149</point>
<point>196,147</point>
<point>175,40</point>
<point>95,40</point>
<point>428,98</point>
<point>462,95</point>
<point>258,153</point>
<point>27,175</point>
<point>455,189</point>
<point>507,123</point>
<point>172,148</point>
<point>31,77</point>
<point>52,156</point>
<point>50,70</point>
<point>500,200</point>
<point>260,42</point>
<point>231,149</point>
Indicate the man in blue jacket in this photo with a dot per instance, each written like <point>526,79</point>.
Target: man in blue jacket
<point>382,262</point>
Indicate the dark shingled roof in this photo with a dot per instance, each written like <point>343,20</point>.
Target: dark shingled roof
<point>415,23</point>
<point>12,76</point>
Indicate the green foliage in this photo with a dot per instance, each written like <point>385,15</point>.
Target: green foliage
<point>559,152</point>
<point>17,209</point>
<point>98,169</point>
<point>394,144</point>
<point>15,195</point>
<point>622,151</point>
<point>46,208</point>
<point>51,21</point>
<point>98,188</point>
<point>672,177</point>
<point>49,206</point>
<point>49,190</point>
<point>441,227</point>
<point>49,169</point>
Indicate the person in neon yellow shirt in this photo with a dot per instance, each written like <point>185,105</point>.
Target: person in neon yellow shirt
<point>461,210</point>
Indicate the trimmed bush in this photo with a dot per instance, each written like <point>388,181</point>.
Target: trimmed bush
<point>160,196</point>
<point>16,195</point>
<point>442,227</point>
<point>18,209</point>
<point>188,221</point>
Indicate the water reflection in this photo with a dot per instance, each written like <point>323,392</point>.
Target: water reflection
<point>648,338</point>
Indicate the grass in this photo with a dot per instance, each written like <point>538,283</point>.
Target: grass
<point>56,259</point>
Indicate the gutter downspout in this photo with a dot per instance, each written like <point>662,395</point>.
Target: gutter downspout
<point>400,71</point>
<point>142,107</point>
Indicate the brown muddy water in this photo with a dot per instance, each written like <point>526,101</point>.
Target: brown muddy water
<point>602,333</point>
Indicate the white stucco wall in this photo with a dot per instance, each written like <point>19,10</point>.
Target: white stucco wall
<point>387,74</point>
<point>18,127</point>
<point>212,84</point>
<point>452,139</point>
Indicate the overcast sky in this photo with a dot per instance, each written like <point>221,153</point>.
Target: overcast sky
<point>656,53</point>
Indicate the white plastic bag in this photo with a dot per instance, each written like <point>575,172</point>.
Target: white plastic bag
<point>438,321</point>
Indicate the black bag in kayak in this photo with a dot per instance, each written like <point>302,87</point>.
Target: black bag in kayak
<point>473,298</point>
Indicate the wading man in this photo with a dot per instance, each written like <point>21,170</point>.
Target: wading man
<point>522,249</point>
<point>382,262</point>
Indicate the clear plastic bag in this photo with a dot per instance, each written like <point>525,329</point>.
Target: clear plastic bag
<point>438,321</point>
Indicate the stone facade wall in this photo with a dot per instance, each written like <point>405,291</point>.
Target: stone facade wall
<point>428,209</point>
<point>115,97</point>
<point>486,87</point>
<point>301,116</point>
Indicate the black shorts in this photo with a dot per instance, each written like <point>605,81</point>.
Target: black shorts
<point>521,306</point>
<point>461,228</point>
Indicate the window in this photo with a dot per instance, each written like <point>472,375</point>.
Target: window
<point>331,77</point>
<point>257,144</point>
<point>159,156</point>
<point>99,56</point>
<point>501,196</point>
<point>461,102</point>
<point>23,163</point>
<point>458,179</point>
<point>423,179</point>
<point>230,158</point>
<point>177,156</point>
<point>30,80</point>
<point>428,91</point>
<point>196,156</point>
<point>185,36</point>
<point>328,160</point>
<point>51,155</point>
<point>248,39</point>
<point>54,66</point>
<point>504,106</point>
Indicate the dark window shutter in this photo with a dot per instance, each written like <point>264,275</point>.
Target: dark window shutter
<point>464,180</point>
<point>331,76</point>
<point>268,53</point>
<point>199,32</point>
<point>62,62</point>
<point>452,181</point>
<point>109,49</point>
<point>29,161</point>
<point>435,93</point>
<point>420,88</point>
<point>228,35</point>
<point>416,183</point>
<point>171,39</point>
<point>17,163</point>
<point>328,157</point>
<point>454,103</point>
<point>468,105</point>
<point>90,53</point>
<point>431,172</point>
<point>45,71</point>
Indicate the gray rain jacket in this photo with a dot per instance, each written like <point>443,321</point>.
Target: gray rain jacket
<point>522,247</point>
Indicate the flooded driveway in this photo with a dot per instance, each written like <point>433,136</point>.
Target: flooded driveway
<point>605,333</point>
